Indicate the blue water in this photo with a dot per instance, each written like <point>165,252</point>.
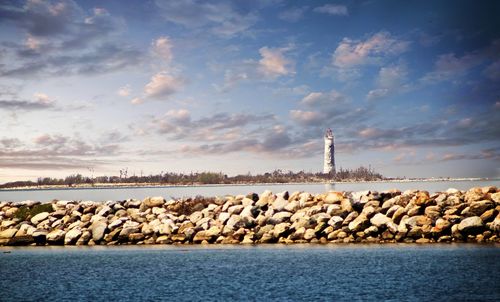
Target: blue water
<point>262,273</point>
<point>218,190</point>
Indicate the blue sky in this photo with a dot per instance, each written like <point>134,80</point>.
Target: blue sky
<point>410,88</point>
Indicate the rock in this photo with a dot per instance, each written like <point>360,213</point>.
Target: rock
<point>152,202</point>
<point>98,228</point>
<point>470,224</point>
<point>35,220</point>
<point>334,197</point>
<point>488,215</point>
<point>8,233</point>
<point>56,237</point>
<point>280,217</point>
<point>496,198</point>
<point>235,210</point>
<point>335,222</point>
<point>474,194</point>
<point>196,216</point>
<point>309,234</point>
<point>248,211</point>
<point>477,208</point>
<point>135,237</point>
<point>72,236</point>
<point>358,224</point>
<point>379,220</point>
<point>279,204</point>
<point>419,220</point>
<point>281,229</point>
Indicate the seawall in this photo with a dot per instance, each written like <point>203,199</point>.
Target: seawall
<point>300,217</point>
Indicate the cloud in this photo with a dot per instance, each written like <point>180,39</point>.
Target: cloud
<point>332,9</point>
<point>162,47</point>
<point>323,99</point>
<point>293,14</point>
<point>377,93</point>
<point>493,71</point>
<point>392,76</point>
<point>124,91</point>
<point>351,53</point>
<point>390,79</point>
<point>274,64</point>
<point>219,17</point>
<point>449,66</point>
<point>61,39</point>
<point>162,86</point>
<point>307,117</point>
<point>178,125</point>
<point>41,101</point>
<point>231,79</point>
<point>55,151</point>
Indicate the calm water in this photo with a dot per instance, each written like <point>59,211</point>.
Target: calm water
<point>262,273</point>
<point>168,192</point>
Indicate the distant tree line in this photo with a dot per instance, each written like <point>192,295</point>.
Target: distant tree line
<point>277,176</point>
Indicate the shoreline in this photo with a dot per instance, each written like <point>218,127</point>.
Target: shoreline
<point>412,216</point>
<point>165,185</point>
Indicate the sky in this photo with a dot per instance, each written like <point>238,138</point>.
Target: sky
<point>410,88</point>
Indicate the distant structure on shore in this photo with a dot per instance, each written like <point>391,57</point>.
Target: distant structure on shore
<point>329,162</point>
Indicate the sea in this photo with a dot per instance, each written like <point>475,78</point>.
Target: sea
<point>104,194</point>
<point>310,272</point>
<point>331,272</point>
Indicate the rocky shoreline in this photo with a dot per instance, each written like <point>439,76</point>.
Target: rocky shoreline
<point>300,217</point>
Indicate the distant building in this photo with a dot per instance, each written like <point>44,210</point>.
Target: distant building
<point>329,162</point>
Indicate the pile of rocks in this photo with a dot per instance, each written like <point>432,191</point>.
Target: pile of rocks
<point>338,217</point>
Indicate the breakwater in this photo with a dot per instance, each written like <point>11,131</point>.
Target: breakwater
<point>299,217</point>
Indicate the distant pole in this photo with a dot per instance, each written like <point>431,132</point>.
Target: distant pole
<point>329,160</point>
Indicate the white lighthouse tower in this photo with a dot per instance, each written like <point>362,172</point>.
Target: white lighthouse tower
<point>329,163</point>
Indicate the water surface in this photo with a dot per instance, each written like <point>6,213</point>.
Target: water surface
<point>218,190</point>
<point>262,273</point>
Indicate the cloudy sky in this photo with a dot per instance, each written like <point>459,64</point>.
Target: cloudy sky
<point>412,89</point>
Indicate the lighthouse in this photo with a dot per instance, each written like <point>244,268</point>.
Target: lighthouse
<point>329,162</point>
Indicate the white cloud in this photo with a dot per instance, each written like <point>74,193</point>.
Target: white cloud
<point>42,98</point>
<point>306,117</point>
<point>274,64</point>
<point>163,85</point>
<point>293,14</point>
<point>137,101</point>
<point>350,53</point>
<point>32,42</point>
<point>331,98</point>
<point>392,76</point>
<point>124,91</point>
<point>332,9</point>
<point>449,66</point>
<point>218,17</point>
<point>162,47</point>
<point>377,93</point>
<point>180,116</point>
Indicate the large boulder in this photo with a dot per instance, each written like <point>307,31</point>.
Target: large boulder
<point>98,227</point>
<point>281,229</point>
<point>39,218</point>
<point>359,223</point>
<point>56,237</point>
<point>72,236</point>
<point>477,208</point>
<point>470,224</point>
<point>279,204</point>
<point>152,202</point>
<point>379,220</point>
<point>474,194</point>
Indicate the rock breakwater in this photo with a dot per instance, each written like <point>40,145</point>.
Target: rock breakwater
<point>300,217</point>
